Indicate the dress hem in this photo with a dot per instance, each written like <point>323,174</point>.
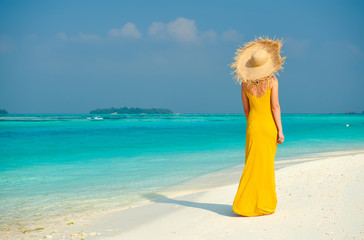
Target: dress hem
<point>253,214</point>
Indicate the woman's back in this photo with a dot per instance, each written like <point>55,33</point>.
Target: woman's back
<point>260,119</point>
<point>259,88</point>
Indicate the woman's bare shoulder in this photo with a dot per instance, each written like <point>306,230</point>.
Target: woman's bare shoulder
<point>274,81</point>
<point>274,78</point>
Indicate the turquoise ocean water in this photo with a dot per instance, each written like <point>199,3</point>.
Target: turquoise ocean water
<point>56,165</point>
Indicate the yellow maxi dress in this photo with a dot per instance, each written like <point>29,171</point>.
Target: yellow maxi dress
<point>256,194</point>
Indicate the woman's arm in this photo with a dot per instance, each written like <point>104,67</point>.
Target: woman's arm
<point>245,101</point>
<point>276,110</point>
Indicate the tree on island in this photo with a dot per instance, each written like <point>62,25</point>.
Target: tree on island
<point>3,111</point>
<point>132,110</point>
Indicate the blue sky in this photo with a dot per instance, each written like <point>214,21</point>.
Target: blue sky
<point>76,56</point>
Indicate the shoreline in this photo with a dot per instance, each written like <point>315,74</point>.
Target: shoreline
<point>157,205</point>
<point>231,175</point>
<point>313,196</point>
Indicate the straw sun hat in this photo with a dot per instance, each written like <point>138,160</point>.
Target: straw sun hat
<point>257,59</point>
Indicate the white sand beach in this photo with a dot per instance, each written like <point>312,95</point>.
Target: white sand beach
<point>319,199</point>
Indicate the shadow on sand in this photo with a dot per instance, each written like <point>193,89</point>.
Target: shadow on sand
<point>222,209</point>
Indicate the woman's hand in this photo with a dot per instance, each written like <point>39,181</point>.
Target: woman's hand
<point>280,137</point>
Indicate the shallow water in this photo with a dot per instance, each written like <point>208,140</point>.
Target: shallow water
<point>53,166</point>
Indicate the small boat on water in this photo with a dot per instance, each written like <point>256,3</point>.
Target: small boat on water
<point>95,118</point>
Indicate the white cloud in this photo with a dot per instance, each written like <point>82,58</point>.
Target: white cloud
<point>156,28</point>
<point>84,37</point>
<point>128,30</point>
<point>231,35</point>
<point>183,30</point>
<point>209,35</point>
<point>62,36</point>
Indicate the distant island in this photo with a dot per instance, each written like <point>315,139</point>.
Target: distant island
<point>126,110</point>
<point>3,111</point>
<point>350,112</point>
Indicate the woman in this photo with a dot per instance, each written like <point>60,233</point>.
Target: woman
<point>255,65</point>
